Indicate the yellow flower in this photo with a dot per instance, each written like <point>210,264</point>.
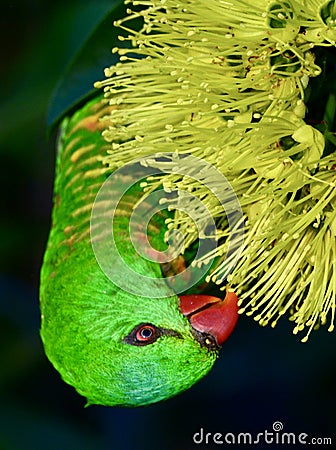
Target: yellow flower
<point>229,82</point>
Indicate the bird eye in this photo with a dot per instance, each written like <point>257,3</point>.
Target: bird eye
<point>143,334</point>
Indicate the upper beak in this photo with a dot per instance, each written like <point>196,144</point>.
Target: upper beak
<point>211,315</point>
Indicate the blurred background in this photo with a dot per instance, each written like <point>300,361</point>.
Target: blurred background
<point>263,375</point>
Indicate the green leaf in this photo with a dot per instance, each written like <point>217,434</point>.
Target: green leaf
<point>76,84</point>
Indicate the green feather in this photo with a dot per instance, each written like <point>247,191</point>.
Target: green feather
<point>85,317</point>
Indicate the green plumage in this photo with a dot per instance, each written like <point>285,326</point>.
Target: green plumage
<point>85,317</point>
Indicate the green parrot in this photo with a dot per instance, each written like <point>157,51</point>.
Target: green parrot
<point>114,347</point>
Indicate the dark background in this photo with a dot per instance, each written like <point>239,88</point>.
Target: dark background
<point>263,375</point>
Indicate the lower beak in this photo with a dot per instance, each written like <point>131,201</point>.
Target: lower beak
<point>211,315</point>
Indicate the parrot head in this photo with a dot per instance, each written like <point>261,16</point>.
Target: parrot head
<point>162,357</point>
<point>126,350</point>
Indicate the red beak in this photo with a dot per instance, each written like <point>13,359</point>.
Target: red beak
<point>211,315</point>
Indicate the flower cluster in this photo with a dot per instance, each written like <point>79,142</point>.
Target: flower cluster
<point>231,82</point>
